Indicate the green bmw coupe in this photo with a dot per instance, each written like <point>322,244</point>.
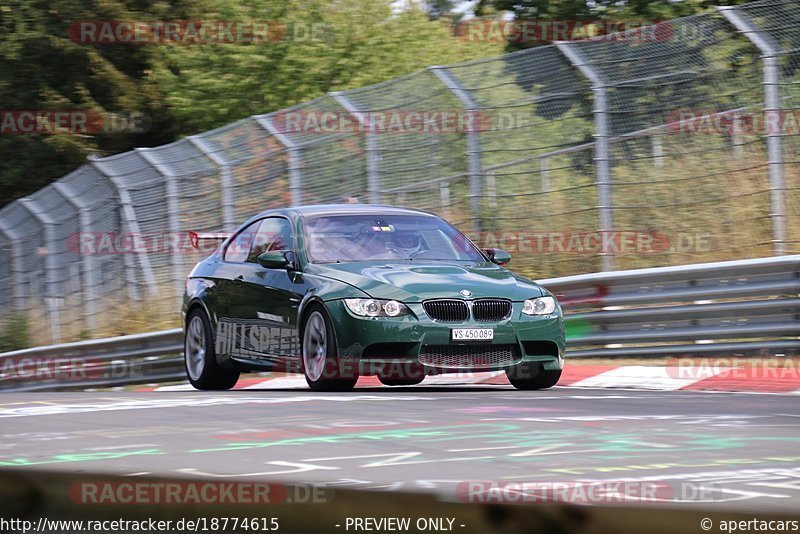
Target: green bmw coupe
<point>340,291</point>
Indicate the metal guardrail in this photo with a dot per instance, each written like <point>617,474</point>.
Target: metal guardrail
<point>746,307</point>
<point>99,363</point>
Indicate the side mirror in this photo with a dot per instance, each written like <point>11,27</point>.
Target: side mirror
<point>276,259</point>
<point>498,256</point>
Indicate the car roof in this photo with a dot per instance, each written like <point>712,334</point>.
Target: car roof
<point>348,209</point>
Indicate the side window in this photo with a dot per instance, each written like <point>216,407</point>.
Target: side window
<point>274,234</point>
<point>238,249</point>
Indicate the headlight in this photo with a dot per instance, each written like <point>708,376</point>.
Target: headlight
<point>540,306</point>
<point>376,308</point>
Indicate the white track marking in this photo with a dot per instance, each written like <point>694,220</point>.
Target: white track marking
<point>189,401</point>
<point>639,376</point>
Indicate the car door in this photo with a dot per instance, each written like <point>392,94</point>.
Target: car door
<point>227,333</point>
<point>265,301</point>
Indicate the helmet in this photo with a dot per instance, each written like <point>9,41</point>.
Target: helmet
<point>405,243</point>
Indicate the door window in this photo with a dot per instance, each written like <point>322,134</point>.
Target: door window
<point>238,249</point>
<point>274,233</point>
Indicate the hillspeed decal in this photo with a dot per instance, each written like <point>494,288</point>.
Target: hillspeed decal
<point>255,337</point>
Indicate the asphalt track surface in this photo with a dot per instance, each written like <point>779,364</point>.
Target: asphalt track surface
<point>727,451</point>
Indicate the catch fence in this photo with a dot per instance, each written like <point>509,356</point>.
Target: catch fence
<point>659,146</point>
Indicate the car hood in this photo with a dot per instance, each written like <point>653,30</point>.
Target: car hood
<point>415,282</point>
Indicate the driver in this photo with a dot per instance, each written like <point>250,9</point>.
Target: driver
<point>405,244</point>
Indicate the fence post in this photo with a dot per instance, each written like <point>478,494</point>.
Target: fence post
<point>132,225</point>
<point>602,159</point>
<point>491,189</point>
<point>658,151</point>
<point>173,220</point>
<point>293,153</point>
<point>544,174</point>
<point>737,141</point>
<point>17,270</point>
<point>51,281</point>
<point>444,194</point>
<point>770,53</point>
<point>87,260</point>
<point>370,147</point>
<point>225,182</point>
<point>475,167</point>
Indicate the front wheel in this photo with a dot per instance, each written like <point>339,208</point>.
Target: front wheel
<point>530,376</point>
<point>321,365</point>
<point>199,356</point>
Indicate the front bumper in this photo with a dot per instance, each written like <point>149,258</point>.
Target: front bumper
<point>374,342</point>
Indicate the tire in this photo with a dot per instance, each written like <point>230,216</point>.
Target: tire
<point>389,381</point>
<point>531,376</point>
<point>199,357</point>
<point>319,357</point>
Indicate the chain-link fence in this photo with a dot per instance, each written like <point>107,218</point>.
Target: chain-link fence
<point>670,144</point>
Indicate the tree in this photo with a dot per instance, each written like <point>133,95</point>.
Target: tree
<point>41,68</point>
<point>327,46</point>
<point>585,10</point>
<point>315,46</point>
<point>438,8</point>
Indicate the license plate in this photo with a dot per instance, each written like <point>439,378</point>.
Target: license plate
<point>472,334</point>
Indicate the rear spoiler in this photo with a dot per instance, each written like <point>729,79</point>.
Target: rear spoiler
<point>196,237</point>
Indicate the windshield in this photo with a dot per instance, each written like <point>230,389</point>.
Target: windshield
<point>340,238</point>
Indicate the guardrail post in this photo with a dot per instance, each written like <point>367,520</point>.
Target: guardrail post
<point>602,160</point>
<point>225,182</point>
<point>17,270</point>
<point>173,220</point>
<point>475,167</point>
<point>132,225</point>
<point>52,293</point>
<point>370,147</point>
<point>770,53</point>
<point>293,153</point>
<point>87,260</point>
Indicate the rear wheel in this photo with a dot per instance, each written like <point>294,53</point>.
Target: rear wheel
<point>321,365</point>
<point>528,376</point>
<point>199,357</point>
